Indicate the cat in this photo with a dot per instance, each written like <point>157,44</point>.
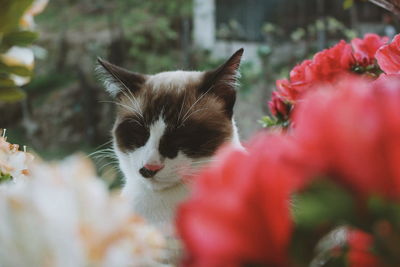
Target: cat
<point>168,125</point>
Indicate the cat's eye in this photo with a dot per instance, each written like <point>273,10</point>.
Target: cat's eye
<point>195,140</point>
<point>131,134</point>
<point>202,142</point>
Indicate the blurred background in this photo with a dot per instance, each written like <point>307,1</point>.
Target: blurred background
<point>64,109</point>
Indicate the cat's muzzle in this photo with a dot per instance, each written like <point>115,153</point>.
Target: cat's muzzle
<point>148,171</point>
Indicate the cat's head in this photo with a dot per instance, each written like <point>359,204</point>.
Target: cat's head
<point>171,123</point>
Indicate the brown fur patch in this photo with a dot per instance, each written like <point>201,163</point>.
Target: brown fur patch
<point>197,123</point>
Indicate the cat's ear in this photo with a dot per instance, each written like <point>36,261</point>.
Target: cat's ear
<point>223,81</point>
<point>118,80</point>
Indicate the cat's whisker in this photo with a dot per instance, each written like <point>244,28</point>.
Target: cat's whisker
<point>108,164</point>
<point>138,122</point>
<point>122,105</point>
<point>137,103</point>
<point>102,151</point>
<point>104,157</point>
<point>103,154</point>
<point>133,101</point>
<point>183,104</point>
<point>134,104</point>
<point>198,99</point>
<point>187,117</point>
<point>102,145</point>
<point>126,107</point>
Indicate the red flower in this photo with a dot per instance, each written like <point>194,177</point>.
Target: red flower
<point>388,56</point>
<point>352,134</point>
<point>279,108</point>
<point>286,91</point>
<point>302,75</point>
<point>365,49</point>
<point>325,68</point>
<point>360,250</point>
<point>239,209</point>
<point>330,64</point>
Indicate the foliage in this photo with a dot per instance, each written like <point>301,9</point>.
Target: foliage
<point>16,59</point>
<point>348,3</point>
<point>5,177</point>
<point>144,35</point>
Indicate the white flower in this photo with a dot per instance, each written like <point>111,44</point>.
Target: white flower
<point>13,162</point>
<point>64,216</point>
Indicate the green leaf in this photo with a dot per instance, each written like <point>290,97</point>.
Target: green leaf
<point>348,3</point>
<point>6,82</point>
<point>5,177</point>
<point>272,121</point>
<point>323,203</point>
<point>268,121</point>
<point>11,94</point>
<point>382,209</point>
<point>19,38</point>
<point>11,12</point>
<point>19,70</point>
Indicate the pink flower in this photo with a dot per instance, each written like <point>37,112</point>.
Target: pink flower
<point>351,134</point>
<point>239,210</point>
<point>388,56</point>
<point>365,49</point>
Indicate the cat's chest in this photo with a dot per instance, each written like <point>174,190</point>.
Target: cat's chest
<point>157,207</point>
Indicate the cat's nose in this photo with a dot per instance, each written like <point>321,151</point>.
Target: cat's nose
<point>154,167</point>
<point>149,170</point>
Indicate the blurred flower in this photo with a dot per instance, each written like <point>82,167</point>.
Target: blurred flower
<point>37,7</point>
<point>365,49</point>
<point>64,216</point>
<point>351,134</point>
<point>13,163</point>
<point>239,209</point>
<point>360,249</point>
<point>388,56</point>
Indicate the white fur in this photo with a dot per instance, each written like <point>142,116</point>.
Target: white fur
<point>176,80</point>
